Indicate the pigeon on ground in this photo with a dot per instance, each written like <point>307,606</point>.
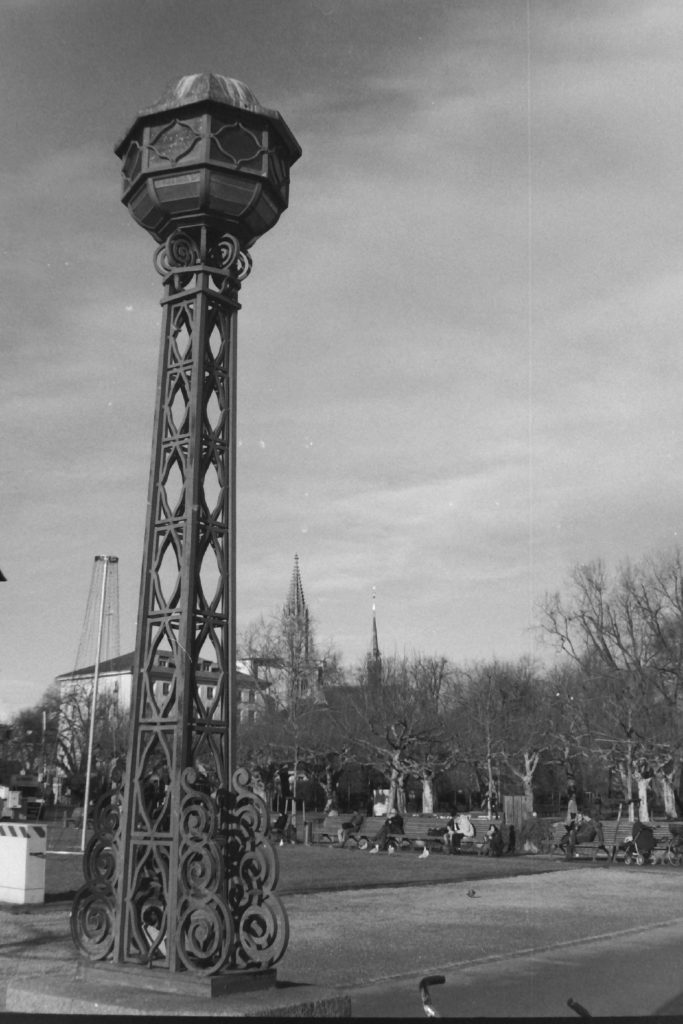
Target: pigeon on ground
<point>473,894</point>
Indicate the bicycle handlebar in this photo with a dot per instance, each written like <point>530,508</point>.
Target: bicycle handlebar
<point>432,979</point>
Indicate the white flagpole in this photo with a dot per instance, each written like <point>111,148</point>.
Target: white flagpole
<point>93,704</point>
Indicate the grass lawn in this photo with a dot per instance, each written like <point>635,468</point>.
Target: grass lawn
<point>305,869</point>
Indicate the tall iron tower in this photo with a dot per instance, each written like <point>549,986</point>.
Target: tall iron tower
<point>180,874</point>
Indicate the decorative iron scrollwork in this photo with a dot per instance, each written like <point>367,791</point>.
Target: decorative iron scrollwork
<point>147,905</point>
<point>92,912</point>
<point>248,808</point>
<point>205,929</point>
<point>205,933</point>
<point>180,257</point>
<point>225,252</point>
<point>232,262</point>
<point>92,923</point>
<point>244,265</point>
<point>252,867</point>
<point>263,933</point>
<point>178,252</point>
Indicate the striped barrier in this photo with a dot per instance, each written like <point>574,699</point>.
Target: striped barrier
<point>19,831</point>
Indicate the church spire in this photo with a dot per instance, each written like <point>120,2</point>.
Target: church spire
<point>374,660</point>
<point>295,606</point>
<point>296,602</point>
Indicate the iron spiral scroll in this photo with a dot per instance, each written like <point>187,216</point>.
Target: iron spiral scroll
<point>181,256</point>
<point>261,923</point>
<point>228,914</point>
<point>93,910</point>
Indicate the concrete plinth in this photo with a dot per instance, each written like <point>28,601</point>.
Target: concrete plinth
<point>22,862</point>
<point>182,983</point>
<point>103,995</point>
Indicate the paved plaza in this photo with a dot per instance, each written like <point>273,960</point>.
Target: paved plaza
<point>375,943</point>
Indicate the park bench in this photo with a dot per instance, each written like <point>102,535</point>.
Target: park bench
<point>614,839</point>
<point>325,831</point>
<point>416,833</point>
<point>417,830</point>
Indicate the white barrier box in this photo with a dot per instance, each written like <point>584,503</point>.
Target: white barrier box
<point>23,850</point>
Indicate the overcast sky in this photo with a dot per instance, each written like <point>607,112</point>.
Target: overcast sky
<point>460,363</point>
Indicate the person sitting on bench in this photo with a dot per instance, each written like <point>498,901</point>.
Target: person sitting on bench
<point>493,842</point>
<point>570,823</point>
<point>393,826</point>
<point>282,828</point>
<point>350,827</point>
<point>458,827</point>
<point>585,831</point>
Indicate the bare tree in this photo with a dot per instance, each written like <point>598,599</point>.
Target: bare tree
<point>403,730</point>
<point>503,721</point>
<point>294,725</point>
<point>626,636</point>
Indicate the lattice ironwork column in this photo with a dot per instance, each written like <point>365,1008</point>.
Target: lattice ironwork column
<point>179,872</point>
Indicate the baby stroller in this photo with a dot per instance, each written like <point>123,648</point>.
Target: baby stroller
<point>674,847</point>
<point>641,844</point>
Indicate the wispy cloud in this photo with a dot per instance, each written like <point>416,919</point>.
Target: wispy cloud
<point>458,349</point>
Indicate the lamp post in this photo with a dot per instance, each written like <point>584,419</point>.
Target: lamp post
<point>180,873</point>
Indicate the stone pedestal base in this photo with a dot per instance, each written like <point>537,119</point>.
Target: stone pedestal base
<point>157,979</point>
<point>101,993</point>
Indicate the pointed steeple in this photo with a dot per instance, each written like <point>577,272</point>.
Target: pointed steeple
<point>375,645</point>
<point>296,602</point>
<point>295,606</point>
<point>374,660</point>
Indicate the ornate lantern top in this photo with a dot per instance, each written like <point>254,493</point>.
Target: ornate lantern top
<point>196,88</point>
<point>207,152</point>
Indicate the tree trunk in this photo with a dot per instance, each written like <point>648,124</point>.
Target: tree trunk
<point>666,785</point>
<point>491,795</point>
<point>401,794</point>
<point>624,772</point>
<point>396,797</point>
<point>427,794</point>
<point>629,765</point>
<point>642,783</point>
<point>481,783</point>
<point>329,787</point>
<point>530,765</point>
<point>294,785</point>
<point>526,776</point>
